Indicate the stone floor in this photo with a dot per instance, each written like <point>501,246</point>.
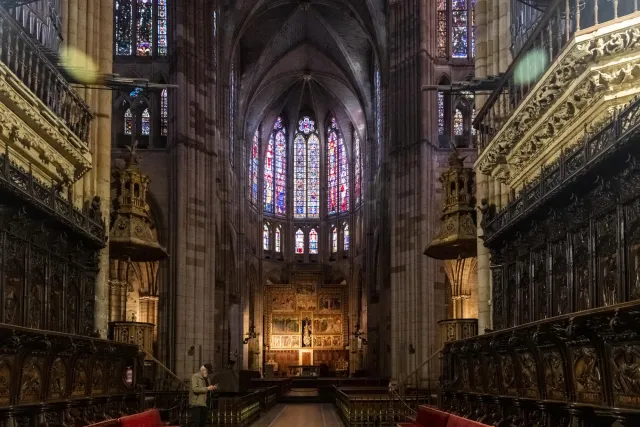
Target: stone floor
<point>307,415</point>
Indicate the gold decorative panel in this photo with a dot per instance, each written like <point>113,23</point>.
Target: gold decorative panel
<point>306,315</point>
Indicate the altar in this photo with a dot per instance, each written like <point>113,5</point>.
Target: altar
<point>303,370</point>
<point>306,327</point>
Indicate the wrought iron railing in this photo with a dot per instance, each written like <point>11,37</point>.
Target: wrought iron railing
<point>48,198</point>
<point>26,60</point>
<point>571,163</point>
<point>553,32</point>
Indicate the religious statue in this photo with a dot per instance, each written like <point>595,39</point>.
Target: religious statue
<point>306,332</point>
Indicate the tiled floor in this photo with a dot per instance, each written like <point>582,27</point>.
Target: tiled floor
<point>303,415</point>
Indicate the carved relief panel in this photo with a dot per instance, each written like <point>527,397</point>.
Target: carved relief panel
<point>582,269</point>
<point>607,263</point>
<point>540,288</point>
<point>529,374</point>
<point>625,367</point>
<point>554,377</point>
<point>559,277</point>
<point>587,375</point>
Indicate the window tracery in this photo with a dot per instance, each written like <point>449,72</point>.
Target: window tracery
<point>357,187</point>
<point>275,171</point>
<point>455,29</point>
<point>334,239</point>
<point>345,236</point>
<point>253,168</point>
<point>455,125</point>
<point>148,37</point>
<point>299,241</point>
<point>265,237</point>
<point>337,170</point>
<point>313,242</point>
<point>306,170</point>
<point>128,122</point>
<point>146,122</point>
<point>278,239</point>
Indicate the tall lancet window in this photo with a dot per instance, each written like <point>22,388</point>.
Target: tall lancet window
<point>275,171</point>
<point>232,115</point>
<point>357,167</point>
<point>128,122</point>
<point>299,241</point>
<point>334,239</point>
<point>345,234</point>
<point>313,242</point>
<point>146,122</point>
<point>164,113</point>
<point>306,146</point>
<point>140,27</point>
<point>337,170</point>
<point>265,237</point>
<point>253,168</point>
<point>278,239</point>
<point>455,29</point>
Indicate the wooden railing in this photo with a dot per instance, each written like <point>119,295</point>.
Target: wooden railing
<point>27,61</point>
<point>554,30</point>
<point>572,370</point>
<point>373,406</point>
<point>51,378</point>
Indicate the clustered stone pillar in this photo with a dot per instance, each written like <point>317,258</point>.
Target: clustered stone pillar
<point>484,274</point>
<point>88,27</point>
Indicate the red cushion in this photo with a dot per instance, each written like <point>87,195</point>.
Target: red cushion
<point>431,417</point>
<point>455,421</point>
<point>408,425</point>
<point>107,423</point>
<point>149,418</point>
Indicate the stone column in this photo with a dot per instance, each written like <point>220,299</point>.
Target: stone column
<point>484,274</point>
<point>504,36</point>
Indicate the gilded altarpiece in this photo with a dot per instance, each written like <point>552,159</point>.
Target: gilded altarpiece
<point>306,322</point>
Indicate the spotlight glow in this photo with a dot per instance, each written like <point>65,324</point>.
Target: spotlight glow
<point>531,67</point>
<point>79,65</point>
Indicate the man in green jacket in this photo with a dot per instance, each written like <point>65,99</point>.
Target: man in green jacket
<point>198,392</point>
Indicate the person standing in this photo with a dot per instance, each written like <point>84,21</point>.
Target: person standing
<point>198,392</point>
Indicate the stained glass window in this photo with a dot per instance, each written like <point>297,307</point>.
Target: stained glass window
<point>440,113</point>
<point>443,28</point>
<point>306,125</point>
<point>459,30</point>
<point>313,241</point>
<point>164,112</point>
<point>253,168</point>
<point>299,242</point>
<point>124,27</point>
<point>306,170</point>
<point>345,233</point>
<point>215,37</point>
<point>275,171</point>
<point>278,239</point>
<point>357,187</point>
<point>144,27</point>
<point>134,93</point>
<point>337,170</point>
<point>265,237</point>
<point>281,169</point>
<point>162,27</point>
<point>128,122</point>
<point>378,98</point>
<point>300,176</point>
<point>268,177</point>
<point>313,177</point>
<point>473,28</point>
<point>146,122</point>
<point>458,123</point>
<point>334,240</point>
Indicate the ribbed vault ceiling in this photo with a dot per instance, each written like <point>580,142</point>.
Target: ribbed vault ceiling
<point>291,51</point>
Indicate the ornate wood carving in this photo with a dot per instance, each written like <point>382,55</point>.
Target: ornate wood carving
<point>581,368</point>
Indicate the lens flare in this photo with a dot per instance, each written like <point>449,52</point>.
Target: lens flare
<point>79,65</point>
<point>531,67</point>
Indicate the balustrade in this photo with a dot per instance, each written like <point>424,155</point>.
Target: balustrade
<point>554,30</point>
<point>27,61</point>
